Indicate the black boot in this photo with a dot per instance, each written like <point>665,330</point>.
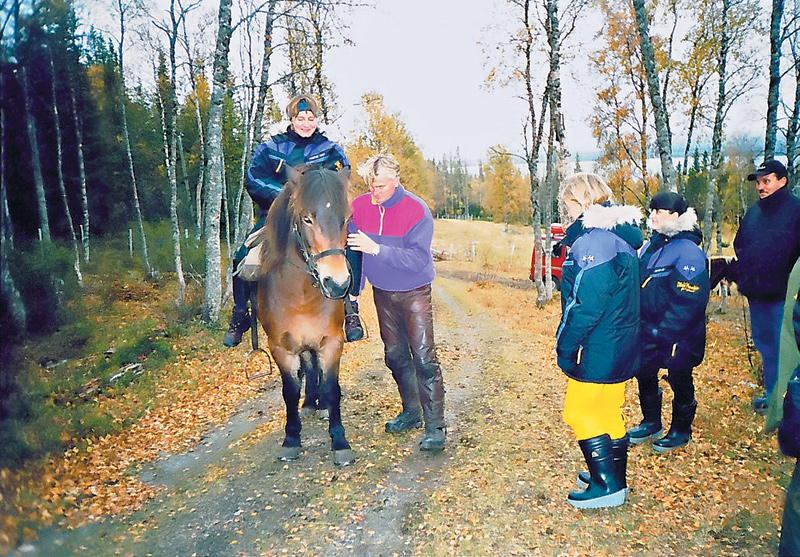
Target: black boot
<point>433,440</point>
<point>608,487</point>
<point>680,430</point>
<point>353,330</point>
<point>619,447</point>
<point>240,324</point>
<point>405,420</point>
<point>650,428</point>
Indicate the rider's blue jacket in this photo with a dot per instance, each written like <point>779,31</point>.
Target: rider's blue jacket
<point>598,338</point>
<point>267,173</point>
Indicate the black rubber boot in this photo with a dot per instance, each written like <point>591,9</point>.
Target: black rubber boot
<point>650,428</point>
<point>680,430</point>
<point>619,447</point>
<point>608,487</point>
<point>353,330</point>
<point>240,324</point>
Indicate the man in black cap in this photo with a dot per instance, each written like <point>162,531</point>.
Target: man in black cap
<point>767,245</point>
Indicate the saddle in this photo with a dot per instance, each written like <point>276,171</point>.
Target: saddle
<point>249,268</point>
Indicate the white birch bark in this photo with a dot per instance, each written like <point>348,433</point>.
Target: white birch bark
<point>213,193</point>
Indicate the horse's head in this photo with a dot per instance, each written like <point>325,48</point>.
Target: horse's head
<point>321,209</point>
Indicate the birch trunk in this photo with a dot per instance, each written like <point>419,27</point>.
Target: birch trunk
<point>128,153</point>
<point>663,139</point>
<point>81,172</point>
<point>773,93</point>
<point>36,161</point>
<point>213,193</point>
<point>8,288</point>
<point>60,168</point>
<point>716,137</point>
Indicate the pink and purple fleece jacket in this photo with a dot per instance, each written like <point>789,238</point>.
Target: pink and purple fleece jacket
<point>403,226</point>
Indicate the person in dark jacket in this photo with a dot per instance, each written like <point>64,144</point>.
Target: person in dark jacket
<point>767,244</point>
<point>597,343</point>
<point>393,229</point>
<point>301,143</point>
<point>674,294</point>
<point>784,412</point>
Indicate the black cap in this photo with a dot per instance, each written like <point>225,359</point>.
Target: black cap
<point>669,201</point>
<point>768,167</point>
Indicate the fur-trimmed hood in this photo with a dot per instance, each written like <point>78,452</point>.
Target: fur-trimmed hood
<point>684,223</point>
<point>608,217</point>
<point>622,220</point>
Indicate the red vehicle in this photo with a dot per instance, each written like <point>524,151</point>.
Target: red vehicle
<point>557,259</point>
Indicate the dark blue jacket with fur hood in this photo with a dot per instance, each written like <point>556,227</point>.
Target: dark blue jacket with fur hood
<point>598,338</point>
<point>675,287</point>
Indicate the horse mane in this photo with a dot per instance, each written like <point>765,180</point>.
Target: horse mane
<point>306,188</point>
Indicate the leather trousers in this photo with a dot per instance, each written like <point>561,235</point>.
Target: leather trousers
<point>406,325</point>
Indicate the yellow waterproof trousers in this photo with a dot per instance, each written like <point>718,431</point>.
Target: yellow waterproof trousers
<point>592,409</point>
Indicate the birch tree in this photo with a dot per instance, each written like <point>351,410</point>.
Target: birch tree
<point>8,287</point>
<point>213,193</point>
<point>123,9</point>
<point>60,168</point>
<point>733,23</point>
<point>663,134</point>
<point>36,159</point>
<point>773,92</point>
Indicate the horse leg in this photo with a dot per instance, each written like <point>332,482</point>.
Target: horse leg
<point>331,395</point>
<point>291,397</point>
<point>311,401</point>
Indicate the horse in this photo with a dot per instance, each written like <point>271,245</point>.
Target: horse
<point>304,276</point>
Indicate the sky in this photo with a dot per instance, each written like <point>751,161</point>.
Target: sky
<point>424,57</point>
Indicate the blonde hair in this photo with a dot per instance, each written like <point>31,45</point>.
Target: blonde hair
<point>586,189</point>
<point>384,165</point>
<point>294,108</point>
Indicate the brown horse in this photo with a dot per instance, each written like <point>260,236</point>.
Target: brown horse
<point>304,278</point>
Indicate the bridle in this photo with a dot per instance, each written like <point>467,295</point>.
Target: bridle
<point>311,259</point>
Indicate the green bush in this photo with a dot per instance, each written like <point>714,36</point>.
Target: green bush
<point>46,279</point>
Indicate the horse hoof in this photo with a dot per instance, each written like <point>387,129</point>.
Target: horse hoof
<point>344,457</point>
<point>323,414</point>
<point>289,454</point>
<point>307,411</point>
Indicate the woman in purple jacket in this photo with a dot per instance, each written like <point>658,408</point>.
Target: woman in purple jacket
<point>393,228</point>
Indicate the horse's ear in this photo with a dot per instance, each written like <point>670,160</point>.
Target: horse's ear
<point>293,174</point>
<point>344,174</point>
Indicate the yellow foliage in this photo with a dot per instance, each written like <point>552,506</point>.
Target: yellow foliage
<point>386,133</point>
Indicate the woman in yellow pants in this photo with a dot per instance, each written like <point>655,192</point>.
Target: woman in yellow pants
<point>597,343</point>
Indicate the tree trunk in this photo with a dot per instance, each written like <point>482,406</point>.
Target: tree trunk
<point>213,280</point>
<point>128,152</point>
<point>81,172</point>
<point>793,125</point>
<point>169,160</point>
<point>36,161</point>
<point>773,93</point>
<point>717,135</point>
<point>263,87</point>
<point>556,135</point>
<point>663,139</point>
<point>8,288</point>
<point>60,168</point>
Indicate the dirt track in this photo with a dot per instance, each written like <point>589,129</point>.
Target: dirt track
<point>230,496</point>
